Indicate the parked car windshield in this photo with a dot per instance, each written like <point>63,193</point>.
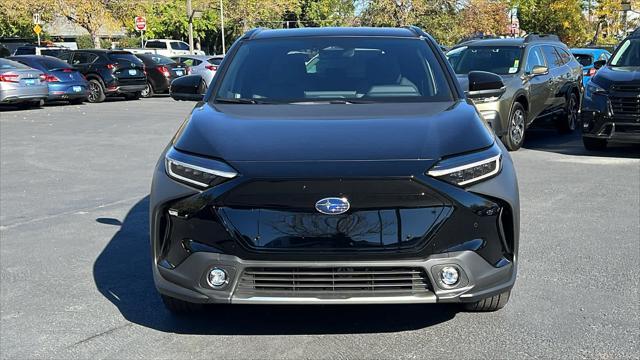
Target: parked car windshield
<point>500,60</point>
<point>322,69</point>
<point>584,59</point>
<point>11,65</point>
<point>628,54</point>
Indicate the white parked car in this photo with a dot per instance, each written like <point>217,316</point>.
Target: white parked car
<point>168,47</point>
<point>203,65</point>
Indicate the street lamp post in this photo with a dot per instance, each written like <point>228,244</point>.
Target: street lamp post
<point>224,49</point>
<point>190,15</point>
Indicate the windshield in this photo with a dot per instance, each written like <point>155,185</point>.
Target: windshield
<point>628,54</point>
<point>584,59</point>
<point>322,69</point>
<point>500,60</point>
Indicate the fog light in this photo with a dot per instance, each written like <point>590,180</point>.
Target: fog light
<point>449,275</point>
<point>217,278</point>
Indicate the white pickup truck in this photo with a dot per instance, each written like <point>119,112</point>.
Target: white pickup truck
<point>168,47</point>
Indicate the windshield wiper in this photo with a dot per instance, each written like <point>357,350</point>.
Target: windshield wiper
<point>332,101</point>
<point>240,101</point>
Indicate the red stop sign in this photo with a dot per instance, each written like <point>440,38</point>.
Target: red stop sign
<point>140,23</point>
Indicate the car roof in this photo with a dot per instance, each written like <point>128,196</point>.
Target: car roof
<point>332,31</point>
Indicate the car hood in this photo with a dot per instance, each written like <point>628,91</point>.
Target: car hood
<point>330,132</point>
<point>607,76</point>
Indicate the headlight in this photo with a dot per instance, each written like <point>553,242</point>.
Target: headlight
<point>196,171</point>
<point>470,168</point>
<point>592,89</point>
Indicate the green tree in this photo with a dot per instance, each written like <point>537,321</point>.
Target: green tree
<point>486,17</point>
<point>16,16</point>
<point>561,17</point>
<point>326,12</point>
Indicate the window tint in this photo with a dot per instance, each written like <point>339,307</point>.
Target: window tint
<point>83,58</point>
<point>535,58</point>
<point>156,45</point>
<point>64,56</point>
<point>628,54</point>
<point>179,45</point>
<point>499,59</point>
<point>9,65</point>
<point>215,61</point>
<point>553,59</point>
<point>25,51</point>
<point>191,62</point>
<point>161,60</point>
<point>584,59</point>
<point>50,52</point>
<point>124,57</point>
<point>564,55</point>
<point>51,63</point>
<point>335,68</point>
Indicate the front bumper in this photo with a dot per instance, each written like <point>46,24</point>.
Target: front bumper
<point>427,223</point>
<point>479,280</point>
<point>613,117</point>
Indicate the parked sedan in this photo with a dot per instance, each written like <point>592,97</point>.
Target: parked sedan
<point>20,84</point>
<point>161,70</point>
<point>586,58</point>
<point>203,65</point>
<point>64,82</point>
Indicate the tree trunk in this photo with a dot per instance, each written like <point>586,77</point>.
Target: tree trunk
<point>96,40</point>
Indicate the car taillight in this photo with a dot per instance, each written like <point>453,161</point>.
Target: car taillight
<point>211,67</point>
<point>49,78</point>
<point>592,72</point>
<point>111,66</point>
<point>9,77</point>
<point>164,70</point>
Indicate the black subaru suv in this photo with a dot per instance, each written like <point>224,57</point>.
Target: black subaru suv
<point>611,101</point>
<point>334,166</point>
<point>109,72</point>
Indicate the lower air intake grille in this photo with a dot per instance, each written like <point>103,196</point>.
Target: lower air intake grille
<point>333,282</point>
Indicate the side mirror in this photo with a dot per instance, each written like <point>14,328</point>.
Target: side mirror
<point>188,88</point>
<point>600,63</point>
<point>539,70</point>
<point>484,84</point>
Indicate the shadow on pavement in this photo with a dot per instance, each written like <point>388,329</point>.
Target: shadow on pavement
<point>122,273</point>
<point>543,139</point>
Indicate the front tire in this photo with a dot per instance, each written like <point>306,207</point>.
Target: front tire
<point>514,138</point>
<point>96,91</point>
<point>493,303</point>
<point>594,144</point>
<point>568,123</point>
<point>179,307</point>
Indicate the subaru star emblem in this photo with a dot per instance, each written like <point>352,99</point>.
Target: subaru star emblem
<point>333,206</point>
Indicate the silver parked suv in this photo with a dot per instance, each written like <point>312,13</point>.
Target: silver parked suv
<point>542,80</point>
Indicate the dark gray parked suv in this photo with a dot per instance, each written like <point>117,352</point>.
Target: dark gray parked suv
<point>542,80</point>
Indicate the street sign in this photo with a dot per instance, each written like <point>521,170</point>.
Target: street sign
<point>37,29</point>
<point>140,23</point>
<point>36,19</point>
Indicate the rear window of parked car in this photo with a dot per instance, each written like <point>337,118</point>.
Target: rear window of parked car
<point>124,56</point>
<point>10,65</point>
<point>50,64</point>
<point>162,60</point>
<point>155,45</point>
<point>179,45</point>
<point>26,50</point>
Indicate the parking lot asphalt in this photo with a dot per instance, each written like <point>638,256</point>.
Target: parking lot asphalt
<point>76,276</point>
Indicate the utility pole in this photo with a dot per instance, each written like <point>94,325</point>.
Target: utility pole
<point>224,49</point>
<point>190,15</point>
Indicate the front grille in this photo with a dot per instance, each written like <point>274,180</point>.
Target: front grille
<point>333,282</point>
<point>625,105</point>
<point>635,89</point>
